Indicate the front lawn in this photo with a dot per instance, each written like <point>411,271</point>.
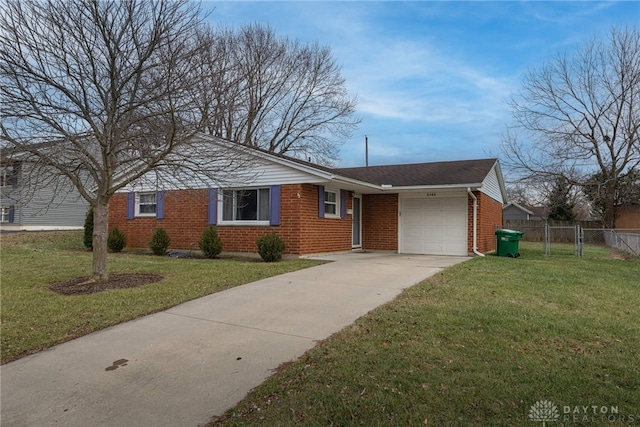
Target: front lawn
<point>34,317</point>
<point>482,343</point>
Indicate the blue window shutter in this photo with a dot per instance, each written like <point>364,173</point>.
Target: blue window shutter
<point>274,205</point>
<point>131,205</point>
<point>12,213</point>
<point>343,204</point>
<point>160,205</point>
<point>213,206</point>
<point>321,201</point>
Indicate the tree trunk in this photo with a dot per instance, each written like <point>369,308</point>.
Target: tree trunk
<point>100,232</point>
<point>609,214</point>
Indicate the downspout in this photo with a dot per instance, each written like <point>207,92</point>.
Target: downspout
<point>475,222</point>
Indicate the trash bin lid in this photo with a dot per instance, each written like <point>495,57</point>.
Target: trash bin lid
<point>505,232</point>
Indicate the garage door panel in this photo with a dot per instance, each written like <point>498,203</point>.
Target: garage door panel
<point>434,226</point>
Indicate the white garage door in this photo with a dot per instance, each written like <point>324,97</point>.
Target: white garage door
<point>434,226</point>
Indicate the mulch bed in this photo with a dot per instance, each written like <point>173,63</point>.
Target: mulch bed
<point>84,286</point>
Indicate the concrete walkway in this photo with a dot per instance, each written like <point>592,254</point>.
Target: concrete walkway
<point>184,365</point>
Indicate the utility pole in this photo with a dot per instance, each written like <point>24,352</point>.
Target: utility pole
<point>366,151</point>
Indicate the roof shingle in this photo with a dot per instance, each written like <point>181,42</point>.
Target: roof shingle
<point>422,174</point>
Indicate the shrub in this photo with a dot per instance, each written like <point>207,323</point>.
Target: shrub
<point>88,229</point>
<point>159,242</point>
<point>270,247</point>
<point>116,241</point>
<point>210,242</point>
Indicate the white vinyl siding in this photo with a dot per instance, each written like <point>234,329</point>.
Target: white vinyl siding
<point>257,173</point>
<point>491,186</point>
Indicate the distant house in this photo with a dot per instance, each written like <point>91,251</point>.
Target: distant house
<point>442,208</point>
<point>43,208</point>
<point>628,217</point>
<point>514,211</point>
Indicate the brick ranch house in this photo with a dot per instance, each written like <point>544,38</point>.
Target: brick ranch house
<point>443,208</point>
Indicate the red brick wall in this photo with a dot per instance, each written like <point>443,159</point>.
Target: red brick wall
<point>489,218</point>
<point>186,218</point>
<point>319,235</point>
<point>380,222</point>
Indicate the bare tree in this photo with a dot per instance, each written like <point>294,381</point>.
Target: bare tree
<point>578,115</point>
<point>277,94</point>
<point>98,94</point>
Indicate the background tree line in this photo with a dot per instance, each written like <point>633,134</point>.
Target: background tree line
<point>576,127</point>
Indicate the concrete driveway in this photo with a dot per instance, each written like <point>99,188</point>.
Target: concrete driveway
<point>186,364</point>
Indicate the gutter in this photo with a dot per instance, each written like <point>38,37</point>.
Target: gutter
<point>475,222</point>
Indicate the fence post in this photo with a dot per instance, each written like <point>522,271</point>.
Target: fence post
<point>581,233</point>
<point>547,249</point>
<point>577,245</point>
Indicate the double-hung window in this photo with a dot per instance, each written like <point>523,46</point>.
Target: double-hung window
<point>330,203</point>
<point>146,204</point>
<point>245,205</point>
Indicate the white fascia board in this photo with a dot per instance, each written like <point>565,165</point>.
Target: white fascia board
<point>392,189</point>
<point>364,186</point>
<point>357,183</point>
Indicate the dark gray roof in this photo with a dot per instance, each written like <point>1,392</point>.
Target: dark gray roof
<point>419,174</point>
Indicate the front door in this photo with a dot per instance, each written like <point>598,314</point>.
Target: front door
<point>356,240</point>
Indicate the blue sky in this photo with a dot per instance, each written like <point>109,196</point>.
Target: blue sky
<point>432,78</point>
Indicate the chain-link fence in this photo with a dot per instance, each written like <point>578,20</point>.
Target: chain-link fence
<point>620,243</point>
<point>579,239</point>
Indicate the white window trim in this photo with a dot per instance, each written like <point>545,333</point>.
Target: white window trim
<point>338,197</point>
<point>4,214</point>
<point>137,204</point>
<point>5,177</point>
<point>256,223</point>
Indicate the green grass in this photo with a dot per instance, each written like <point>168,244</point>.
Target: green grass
<point>34,317</point>
<point>478,344</point>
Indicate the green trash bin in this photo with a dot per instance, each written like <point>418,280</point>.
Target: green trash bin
<point>508,241</point>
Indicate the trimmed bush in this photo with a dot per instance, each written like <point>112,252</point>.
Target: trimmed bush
<point>159,242</point>
<point>210,242</point>
<point>270,247</point>
<point>116,241</point>
<point>87,239</point>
